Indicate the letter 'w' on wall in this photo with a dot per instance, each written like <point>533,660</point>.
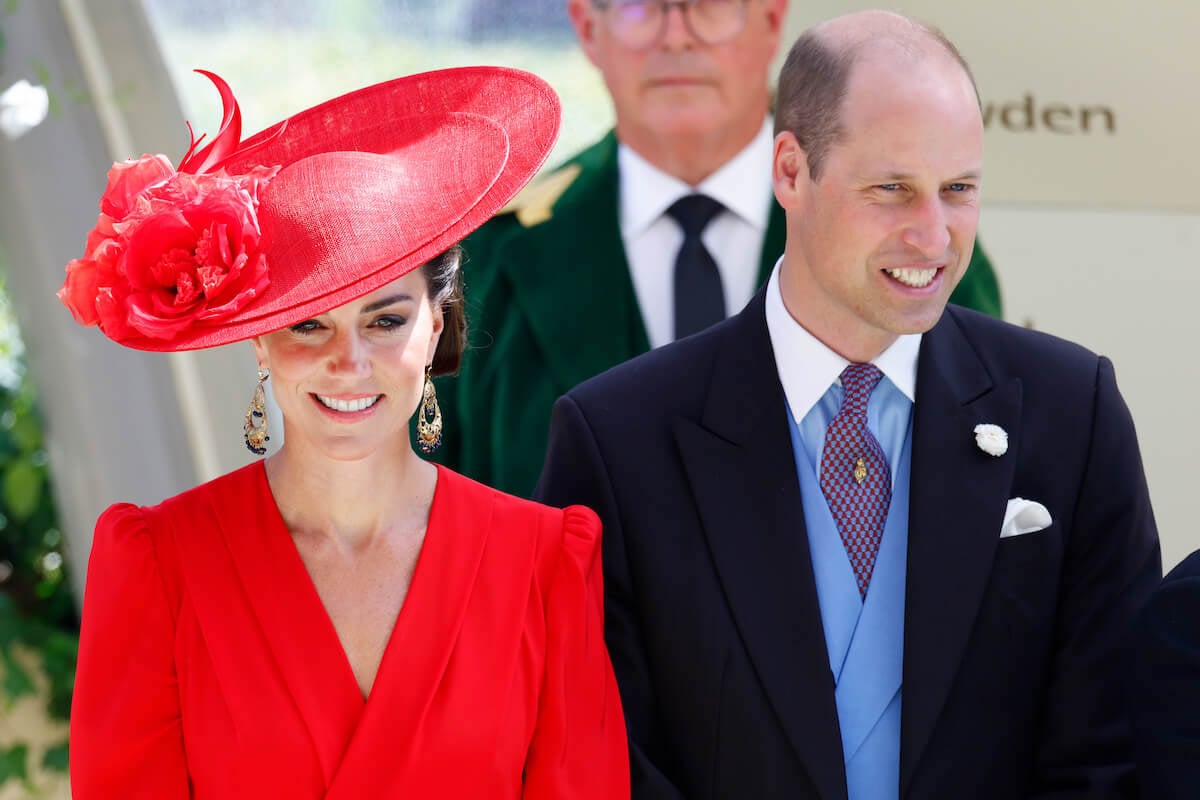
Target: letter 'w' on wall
<point>1084,104</point>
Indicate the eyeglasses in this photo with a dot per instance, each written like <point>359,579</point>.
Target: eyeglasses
<point>639,24</point>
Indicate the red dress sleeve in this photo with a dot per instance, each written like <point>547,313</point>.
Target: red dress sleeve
<point>126,735</point>
<point>579,750</point>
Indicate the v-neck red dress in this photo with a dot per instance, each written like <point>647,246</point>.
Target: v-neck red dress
<point>209,669</point>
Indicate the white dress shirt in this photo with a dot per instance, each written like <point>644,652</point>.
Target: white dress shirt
<point>734,237</point>
<point>807,367</point>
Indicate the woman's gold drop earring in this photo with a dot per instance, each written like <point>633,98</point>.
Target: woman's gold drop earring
<point>429,417</point>
<point>255,429</point>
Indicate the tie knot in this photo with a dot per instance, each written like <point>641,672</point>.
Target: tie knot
<point>858,381</point>
<point>693,212</point>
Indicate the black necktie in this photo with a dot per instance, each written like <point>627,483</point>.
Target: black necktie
<point>699,299</point>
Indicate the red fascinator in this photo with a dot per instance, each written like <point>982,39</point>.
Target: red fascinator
<point>245,238</point>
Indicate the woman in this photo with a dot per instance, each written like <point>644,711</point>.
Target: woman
<point>344,619</point>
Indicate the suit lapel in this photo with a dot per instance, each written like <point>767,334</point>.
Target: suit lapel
<point>570,278</point>
<point>739,462</point>
<point>957,502</point>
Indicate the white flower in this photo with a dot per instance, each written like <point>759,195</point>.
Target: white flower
<point>992,439</point>
<point>23,106</point>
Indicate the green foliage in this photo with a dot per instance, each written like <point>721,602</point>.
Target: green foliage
<point>38,593</point>
<point>37,607</point>
<point>12,763</point>
<point>17,682</point>
<point>56,758</point>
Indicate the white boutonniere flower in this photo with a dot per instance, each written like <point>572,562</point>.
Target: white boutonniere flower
<point>992,439</point>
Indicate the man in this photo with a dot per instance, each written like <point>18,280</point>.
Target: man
<point>582,274</point>
<point>859,543</point>
<point>1166,686</point>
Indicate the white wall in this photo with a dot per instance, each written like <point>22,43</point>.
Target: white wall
<point>1125,284</point>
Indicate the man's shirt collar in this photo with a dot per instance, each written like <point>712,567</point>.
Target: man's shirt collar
<point>647,192</point>
<point>807,367</point>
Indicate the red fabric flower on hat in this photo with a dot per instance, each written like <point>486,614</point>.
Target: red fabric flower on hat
<point>172,249</point>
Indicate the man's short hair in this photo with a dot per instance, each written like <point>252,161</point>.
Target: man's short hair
<point>813,83</point>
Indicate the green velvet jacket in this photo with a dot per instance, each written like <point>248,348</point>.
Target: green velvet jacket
<point>550,303</point>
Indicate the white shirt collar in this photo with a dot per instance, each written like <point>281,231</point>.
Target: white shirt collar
<point>647,192</point>
<point>807,368</point>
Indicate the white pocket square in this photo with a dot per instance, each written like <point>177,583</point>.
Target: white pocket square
<point>1024,516</point>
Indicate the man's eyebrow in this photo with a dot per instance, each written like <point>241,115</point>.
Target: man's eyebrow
<point>903,177</point>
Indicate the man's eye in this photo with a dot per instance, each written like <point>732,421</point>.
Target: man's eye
<point>959,187</point>
<point>889,187</point>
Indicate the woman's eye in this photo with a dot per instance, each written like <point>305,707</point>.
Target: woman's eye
<point>390,321</point>
<point>308,326</point>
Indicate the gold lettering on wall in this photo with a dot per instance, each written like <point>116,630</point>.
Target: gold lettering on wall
<point>1030,115</point>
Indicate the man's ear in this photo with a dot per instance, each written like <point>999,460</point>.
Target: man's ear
<point>789,171</point>
<point>583,19</point>
<point>777,11</point>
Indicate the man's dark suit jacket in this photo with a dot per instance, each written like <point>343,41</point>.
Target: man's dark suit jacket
<point>1166,686</point>
<point>1013,648</point>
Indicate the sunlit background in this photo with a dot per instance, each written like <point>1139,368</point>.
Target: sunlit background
<point>282,56</point>
<point>1094,234</point>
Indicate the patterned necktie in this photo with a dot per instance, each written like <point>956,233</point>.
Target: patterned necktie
<point>699,298</point>
<point>855,477</point>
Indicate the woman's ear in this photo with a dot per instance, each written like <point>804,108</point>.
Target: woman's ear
<point>437,325</point>
<point>260,353</point>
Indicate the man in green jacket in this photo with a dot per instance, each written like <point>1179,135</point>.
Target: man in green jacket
<point>575,276</point>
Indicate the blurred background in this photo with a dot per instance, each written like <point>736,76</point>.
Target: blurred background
<point>1090,219</point>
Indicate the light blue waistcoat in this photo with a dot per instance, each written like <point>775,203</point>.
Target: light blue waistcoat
<point>865,640</point>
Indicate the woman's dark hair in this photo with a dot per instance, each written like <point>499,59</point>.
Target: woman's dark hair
<point>444,277</point>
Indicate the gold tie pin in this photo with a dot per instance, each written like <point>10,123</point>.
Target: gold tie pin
<point>860,470</point>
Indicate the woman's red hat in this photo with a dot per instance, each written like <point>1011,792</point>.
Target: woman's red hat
<point>249,237</point>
